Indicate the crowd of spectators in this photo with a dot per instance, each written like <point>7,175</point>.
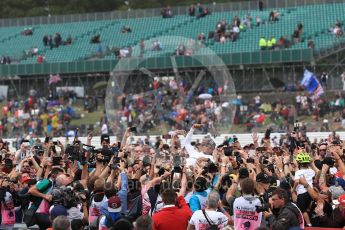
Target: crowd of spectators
<point>323,114</point>
<point>167,12</point>
<point>199,11</point>
<point>5,60</point>
<point>37,115</point>
<point>174,182</point>
<point>54,41</point>
<point>27,31</point>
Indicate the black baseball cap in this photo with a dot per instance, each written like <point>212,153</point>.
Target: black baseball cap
<point>105,137</point>
<point>243,173</point>
<point>262,178</point>
<point>200,184</point>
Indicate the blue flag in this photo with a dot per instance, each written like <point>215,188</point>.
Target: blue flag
<point>311,84</point>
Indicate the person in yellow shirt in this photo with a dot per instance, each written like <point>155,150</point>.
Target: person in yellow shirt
<point>273,42</point>
<point>55,122</point>
<point>263,43</point>
<point>269,44</point>
<point>44,118</point>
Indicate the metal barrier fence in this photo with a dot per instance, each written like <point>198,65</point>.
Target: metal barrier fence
<point>218,7</point>
<point>243,138</point>
<point>250,58</point>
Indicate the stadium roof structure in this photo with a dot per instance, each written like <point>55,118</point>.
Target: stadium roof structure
<point>80,56</point>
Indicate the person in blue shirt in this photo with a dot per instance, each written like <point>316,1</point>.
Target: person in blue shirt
<point>199,197</point>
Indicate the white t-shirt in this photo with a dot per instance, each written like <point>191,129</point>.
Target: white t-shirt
<point>194,155</point>
<point>308,174</point>
<point>104,129</point>
<point>245,215</point>
<point>200,223</point>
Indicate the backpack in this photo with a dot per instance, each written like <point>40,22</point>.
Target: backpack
<point>110,221</point>
<point>212,225</point>
<point>153,196</point>
<point>135,209</point>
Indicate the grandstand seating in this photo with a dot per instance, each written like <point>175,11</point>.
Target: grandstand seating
<point>316,19</point>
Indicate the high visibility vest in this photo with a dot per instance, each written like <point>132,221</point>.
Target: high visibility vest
<point>269,43</point>
<point>273,41</point>
<point>262,42</point>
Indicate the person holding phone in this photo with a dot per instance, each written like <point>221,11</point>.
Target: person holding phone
<point>23,151</point>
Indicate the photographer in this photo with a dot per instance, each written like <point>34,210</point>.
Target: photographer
<point>38,212</point>
<point>247,208</point>
<point>72,199</point>
<point>7,205</point>
<point>284,214</point>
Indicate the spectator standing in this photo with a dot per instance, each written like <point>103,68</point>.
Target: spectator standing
<point>7,212</point>
<point>191,10</point>
<point>261,5</point>
<point>210,217</point>
<point>61,223</point>
<point>303,197</point>
<point>262,43</point>
<point>286,215</point>
<point>172,216</point>
<point>273,42</point>
<point>343,80</point>
<point>45,40</point>
<point>42,192</point>
<point>40,59</point>
<point>104,128</point>
<point>324,78</point>
<point>199,197</point>
<point>245,213</point>
<point>106,221</point>
<point>142,47</point>
<point>50,42</point>
<point>258,20</point>
<point>337,219</point>
<point>311,44</point>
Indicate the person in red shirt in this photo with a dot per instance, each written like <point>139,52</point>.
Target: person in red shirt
<point>175,213</point>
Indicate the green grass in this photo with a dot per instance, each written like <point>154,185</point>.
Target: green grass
<point>89,118</point>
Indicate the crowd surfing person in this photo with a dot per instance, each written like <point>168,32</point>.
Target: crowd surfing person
<point>174,184</point>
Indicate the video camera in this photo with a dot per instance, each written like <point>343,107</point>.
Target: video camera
<point>76,152</point>
<point>67,197</point>
<point>263,208</point>
<point>210,167</point>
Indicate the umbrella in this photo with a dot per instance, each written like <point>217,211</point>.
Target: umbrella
<point>225,104</point>
<point>100,84</point>
<point>236,102</point>
<point>54,79</point>
<point>205,96</point>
